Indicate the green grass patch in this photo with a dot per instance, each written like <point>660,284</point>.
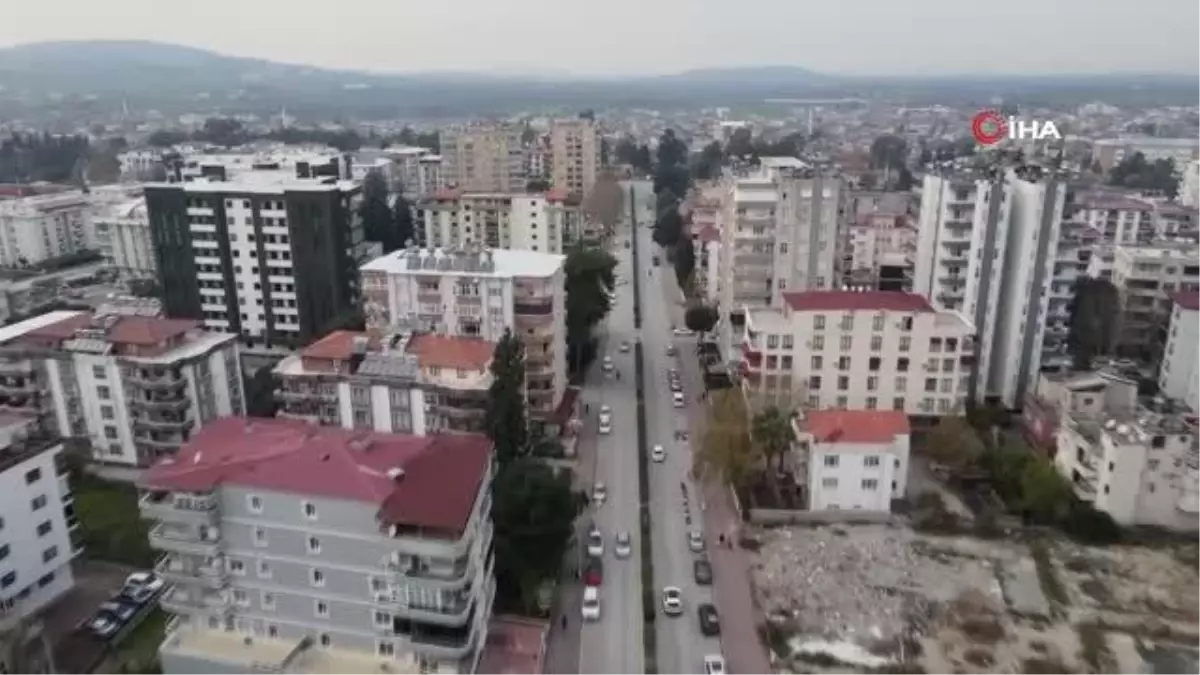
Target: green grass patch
<point>109,521</point>
<point>138,652</point>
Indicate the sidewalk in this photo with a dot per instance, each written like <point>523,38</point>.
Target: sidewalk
<point>743,649</point>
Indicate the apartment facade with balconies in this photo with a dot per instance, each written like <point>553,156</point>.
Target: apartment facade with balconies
<point>479,293</point>
<point>304,549</point>
<point>574,155</point>
<point>402,382</point>
<point>526,222</point>
<point>859,350</point>
<point>134,386</point>
<point>484,158</point>
<point>39,537</point>
<point>1147,277</point>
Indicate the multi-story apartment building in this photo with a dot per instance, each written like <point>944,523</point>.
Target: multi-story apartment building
<point>780,234</point>
<point>1138,464</point>
<point>123,232</point>
<point>1118,219</point>
<point>411,171</point>
<point>257,159</point>
<point>429,174</point>
<point>140,165</point>
<point>1109,152</point>
<point>134,386</point>
<point>1179,373</point>
<point>987,246</point>
<point>878,250</point>
<point>574,155</point>
<point>484,158</point>
<point>851,459</point>
<point>39,537</point>
<point>1077,243</point>
<point>293,548</point>
<point>40,227</point>
<point>268,257</point>
<point>1146,277</point>
<point>1059,394</point>
<point>480,293</point>
<point>859,350</point>
<point>1189,187</point>
<point>527,222</point>
<point>403,382</point>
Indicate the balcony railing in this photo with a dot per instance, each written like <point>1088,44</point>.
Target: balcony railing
<point>160,383</point>
<point>172,540</point>
<point>172,404</point>
<point>177,508</point>
<point>533,307</point>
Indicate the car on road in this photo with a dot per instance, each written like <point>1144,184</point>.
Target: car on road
<point>623,545</point>
<point>676,387</point>
<point>703,572</point>
<point>683,332</point>
<point>670,350</point>
<point>672,601</point>
<point>625,347</point>
<point>593,573</point>
<point>654,259</point>
<point>124,611</point>
<point>710,623</point>
<point>605,426</point>
<point>599,493</point>
<point>677,399</point>
<point>591,604</point>
<point>695,541</point>
<point>103,625</point>
<point>595,544</point>
<point>148,580</point>
<point>138,595</point>
<point>714,664</point>
<point>658,454</point>
<point>607,364</point>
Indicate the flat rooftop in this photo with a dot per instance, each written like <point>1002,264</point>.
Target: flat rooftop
<point>264,654</point>
<point>504,263</point>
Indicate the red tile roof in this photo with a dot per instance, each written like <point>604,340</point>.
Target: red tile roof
<point>444,351</point>
<point>125,330</point>
<point>441,480</point>
<point>338,345</point>
<point>1187,299</point>
<point>514,645</point>
<point>556,195</point>
<point>845,301</point>
<point>60,330</point>
<point>856,426</point>
<point>708,233</point>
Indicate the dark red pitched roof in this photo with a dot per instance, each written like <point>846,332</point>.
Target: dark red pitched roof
<point>441,474</point>
<point>845,301</point>
<point>451,351</point>
<point>338,345</point>
<point>856,426</point>
<point>148,330</point>
<point>1187,299</point>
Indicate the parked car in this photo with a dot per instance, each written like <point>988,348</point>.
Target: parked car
<point>672,601</point>
<point>714,664</point>
<point>703,572</point>
<point>658,454</point>
<point>595,544</point>
<point>147,580</point>
<point>710,623</point>
<point>695,541</point>
<point>138,595</point>
<point>593,574</point>
<point>591,604</point>
<point>599,493</point>
<point>103,625</point>
<point>623,545</point>
<point>124,611</point>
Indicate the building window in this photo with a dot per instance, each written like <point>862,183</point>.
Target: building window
<point>321,609</point>
<point>877,322</point>
<point>260,536</point>
<point>818,342</point>
<point>38,503</point>
<point>268,601</point>
<point>905,343</point>
<point>264,569</point>
<point>843,383</point>
<point>847,322</point>
<point>876,343</point>
<point>32,476</point>
<point>816,363</point>
<point>49,554</point>
<point>383,620</point>
<point>44,528</point>
<point>872,383</point>
<point>819,322</point>
<point>902,364</point>
<point>316,577</point>
<point>874,363</point>
<point>846,343</point>
<point>829,482</point>
<point>870,484</point>
<point>831,461</point>
<point>898,403</point>
<point>237,567</point>
<point>255,503</point>
<point>310,510</point>
<point>787,342</point>
<point>8,580</point>
<point>386,649</point>
<point>326,640</point>
<point>99,372</point>
<point>241,598</point>
<point>772,342</point>
<point>103,393</point>
<point>843,363</point>
<point>872,403</point>
<point>871,460</point>
<point>314,545</point>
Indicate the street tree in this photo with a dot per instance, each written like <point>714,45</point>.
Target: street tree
<point>727,451</point>
<point>1095,312</point>
<point>403,228</point>
<point>888,152</point>
<point>1137,173</point>
<point>260,393</point>
<point>707,165</point>
<point>533,513</point>
<point>1045,494</point>
<point>954,443</point>
<point>771,430</point>
<point>590,280</point>
<point>668,229</point>
<point>375,213</point>
<point>685,264</point>
<point>505,420</point>
<point>701,318</point>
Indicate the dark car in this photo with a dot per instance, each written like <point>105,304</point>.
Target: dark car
<point>104,625</point>
<point>122,609</point>
<point>703,572</point>
<point>710,624</point>
<point>593,574</point>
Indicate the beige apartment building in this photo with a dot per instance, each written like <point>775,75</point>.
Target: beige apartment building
<point>541,222</point>
<point>574,155</point>
<point>1146,278</point>
<point>484,158</point>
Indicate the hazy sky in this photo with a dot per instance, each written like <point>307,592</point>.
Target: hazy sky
<point>920,37</point>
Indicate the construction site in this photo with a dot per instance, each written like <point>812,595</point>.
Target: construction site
<point>883,598</point>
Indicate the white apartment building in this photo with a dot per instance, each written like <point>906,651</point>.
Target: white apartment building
<point>851,460</point>
<point>124,235</point>
<point>546,223</point>
<point>135,386</point>
<point>574,155</point>
<point>706,228</point>
<point>39,538</point>
<point>429,174</point>
<point>1146,277</point>
<point>480,293</point>
<point>40,227</point>
<point>288,161</point>
<point>139,165</point>
<point>1179,373</point>
<point>294,548</point>
<point>484,158</point>
<point>402,382</point>
<point>1119,220</point>
<point>1189,187</point>
<point>879,250</point>
<point>1111,151</point>
<point>859,350</point>
<point>408,170</point>
<point>1139,466</point>
<point>987,246</point>
<point>780,234</point>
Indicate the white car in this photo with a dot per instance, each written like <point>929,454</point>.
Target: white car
<point>607,365</point>
<point>683,332</point>
<point>672,601</point>
<point>677,399</point>
<point>150,582</point>
<point>623,545</point>
<point>658,454</point>
<point>605,425</point>
<point>695,541</point>
<point>624,347</point>
<point>595,544</point>
<point>714,664</point>
<point>591,604</point>
<point>599,493</point>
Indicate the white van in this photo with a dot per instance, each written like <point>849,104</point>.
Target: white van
<point>677,397</point>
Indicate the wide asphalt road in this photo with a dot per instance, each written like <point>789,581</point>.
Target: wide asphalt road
<point>614,643</point>
<point>675,503</point>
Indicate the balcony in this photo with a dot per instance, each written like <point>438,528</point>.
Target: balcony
<point>157,382</point>
<point>160,404</point>
<point>531,307</point>
<point>11,368</point>
<point>18,386</point>
<point>174,540</point>
<point>178,508</point>
<point>306,394</point>
<point>187,601</point>
<point>179,425</point>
